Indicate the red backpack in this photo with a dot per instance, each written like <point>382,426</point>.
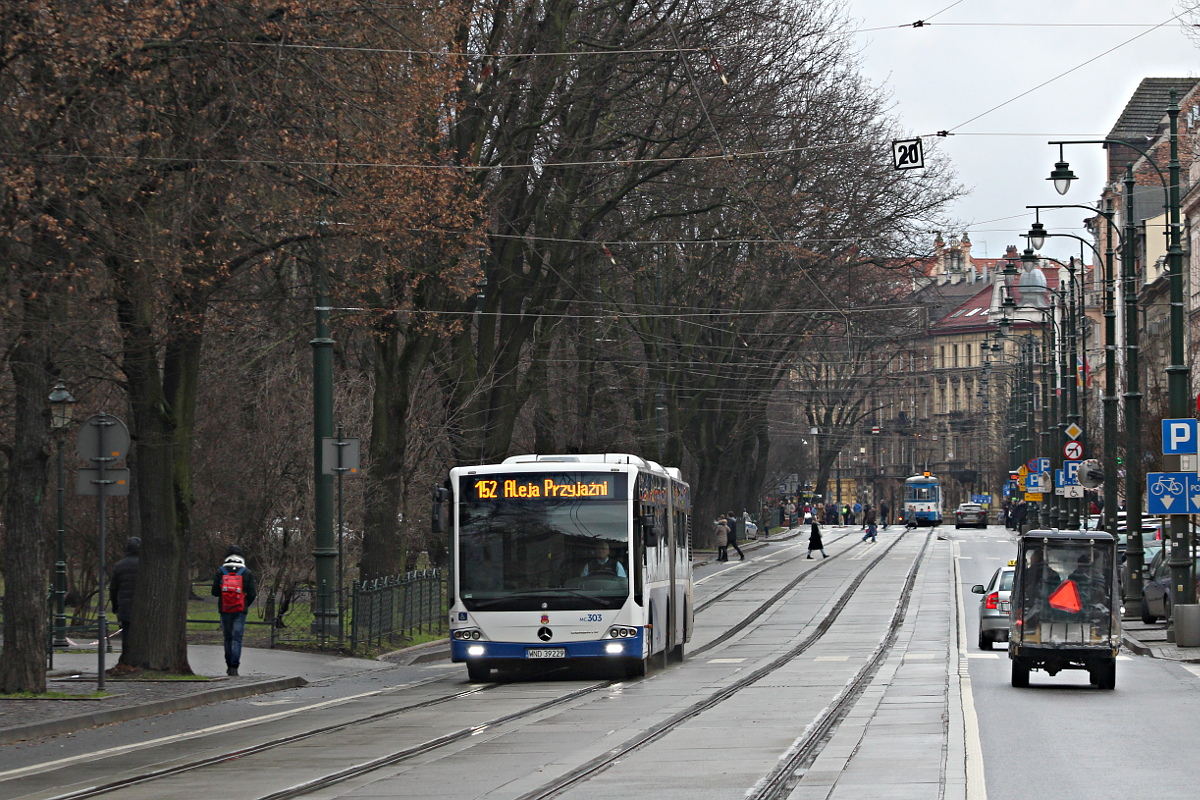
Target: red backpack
<point>233,592</point>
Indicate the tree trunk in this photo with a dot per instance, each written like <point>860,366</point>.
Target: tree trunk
<point>162,402</point>
<point>23,665</point>
<point>399,362</point>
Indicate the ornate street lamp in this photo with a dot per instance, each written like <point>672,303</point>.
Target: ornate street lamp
<point>61,406</point>
<point>1061,175</point>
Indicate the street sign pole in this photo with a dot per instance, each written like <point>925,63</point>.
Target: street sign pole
<point>103,440</point>
<point>340,455</point>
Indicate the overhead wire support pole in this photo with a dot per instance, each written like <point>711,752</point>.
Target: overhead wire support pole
<point>1134,465</point>
<point>1178,375</point>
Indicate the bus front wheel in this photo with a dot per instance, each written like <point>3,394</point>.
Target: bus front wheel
<point>635,668</point>
<point>478,671</point>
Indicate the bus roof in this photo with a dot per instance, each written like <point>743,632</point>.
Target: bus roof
<point>596,458</point>
<point>922,479</point>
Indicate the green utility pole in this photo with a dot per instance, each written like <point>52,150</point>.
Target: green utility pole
<point>1134,472</point>
<point>1183,591</point>
<point>1110,383</point>
<point>325,617</point>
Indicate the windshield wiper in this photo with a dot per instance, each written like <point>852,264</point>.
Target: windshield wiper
<point>536,593</point>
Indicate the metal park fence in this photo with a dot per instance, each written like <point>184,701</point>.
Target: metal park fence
<point>386,611</point>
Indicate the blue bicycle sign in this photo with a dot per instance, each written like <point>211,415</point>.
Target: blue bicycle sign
<point>1170,492</point>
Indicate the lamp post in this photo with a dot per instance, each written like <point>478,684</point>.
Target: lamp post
<point>1178,373</point>
<point>62,403</point>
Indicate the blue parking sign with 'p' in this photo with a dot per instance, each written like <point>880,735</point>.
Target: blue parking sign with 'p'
<point>1178,437</point>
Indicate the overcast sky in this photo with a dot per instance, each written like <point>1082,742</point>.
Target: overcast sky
<point>976,55</point>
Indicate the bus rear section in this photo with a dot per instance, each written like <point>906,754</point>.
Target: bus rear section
<point>569,562</point>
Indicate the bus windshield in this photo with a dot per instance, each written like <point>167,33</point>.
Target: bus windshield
<point>526,543</point>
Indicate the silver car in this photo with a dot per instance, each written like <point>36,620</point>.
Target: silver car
<point>993,606</point>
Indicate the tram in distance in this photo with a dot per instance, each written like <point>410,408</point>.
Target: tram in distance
<point>922,500</point>
<point>561,559</point>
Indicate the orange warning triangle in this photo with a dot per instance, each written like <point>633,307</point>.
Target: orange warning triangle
<point>1066,597</point>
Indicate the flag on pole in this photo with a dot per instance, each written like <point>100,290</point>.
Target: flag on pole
<point>1083,372</point>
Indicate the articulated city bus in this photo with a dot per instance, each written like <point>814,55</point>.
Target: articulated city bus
<point>922,501</point>
<point>569,558</point>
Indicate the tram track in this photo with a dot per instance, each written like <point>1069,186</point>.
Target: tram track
<point>433,744</point>
<point>818,733</point>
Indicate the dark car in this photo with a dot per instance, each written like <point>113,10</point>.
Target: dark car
<point>1156,592</point>
<point>970,514</point>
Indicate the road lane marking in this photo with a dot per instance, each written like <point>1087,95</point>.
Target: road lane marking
<point>976,786</point>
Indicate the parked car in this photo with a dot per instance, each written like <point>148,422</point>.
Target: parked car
<point>1156,592</point>
<point>1095,522</point>
<point>1150,550</point>
<point>1152,532</point>
<point>993,606</point>
<point>970,514</point>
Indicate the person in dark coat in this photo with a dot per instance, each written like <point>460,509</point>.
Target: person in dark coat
<point>814,541</point>
<point>233,623</point>
<point>120,587</point>
<point>869,522</point>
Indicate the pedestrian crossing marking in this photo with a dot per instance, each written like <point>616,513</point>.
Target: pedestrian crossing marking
<point>832,658</point>
<point>726,660</point>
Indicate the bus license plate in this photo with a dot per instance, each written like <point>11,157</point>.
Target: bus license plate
<point>547,652</point>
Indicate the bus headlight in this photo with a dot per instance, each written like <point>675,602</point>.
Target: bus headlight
<point>475,650</point>
<point>614,648</point>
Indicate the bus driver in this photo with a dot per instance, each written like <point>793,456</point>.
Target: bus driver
<point>603,562</point>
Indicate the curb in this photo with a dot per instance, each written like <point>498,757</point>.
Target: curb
<point>1136,646</point>
<point>40,730</point>
<point>418,654</point>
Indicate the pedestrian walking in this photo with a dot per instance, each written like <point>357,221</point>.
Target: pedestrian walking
<point>869,522</point>
<point>721,534</point>
<point>814,541</point>
<point>120,586</point>
<point>234,589</point>
<point>884,513</point>
<point>731,521</point>
<point>858,510</point>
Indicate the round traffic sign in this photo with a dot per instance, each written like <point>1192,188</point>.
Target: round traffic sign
<point>1073,451</point>
<point>103,436</point>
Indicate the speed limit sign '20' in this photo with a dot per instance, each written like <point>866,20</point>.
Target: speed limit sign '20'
<point>1073,451</point>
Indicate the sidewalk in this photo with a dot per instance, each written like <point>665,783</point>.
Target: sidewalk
<point>1151,640</point>
<point>75,672</point>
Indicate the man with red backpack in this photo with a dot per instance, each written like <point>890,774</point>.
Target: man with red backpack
<point>234,589</point>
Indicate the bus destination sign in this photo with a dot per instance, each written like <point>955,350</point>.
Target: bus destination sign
<point>542,486</point>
